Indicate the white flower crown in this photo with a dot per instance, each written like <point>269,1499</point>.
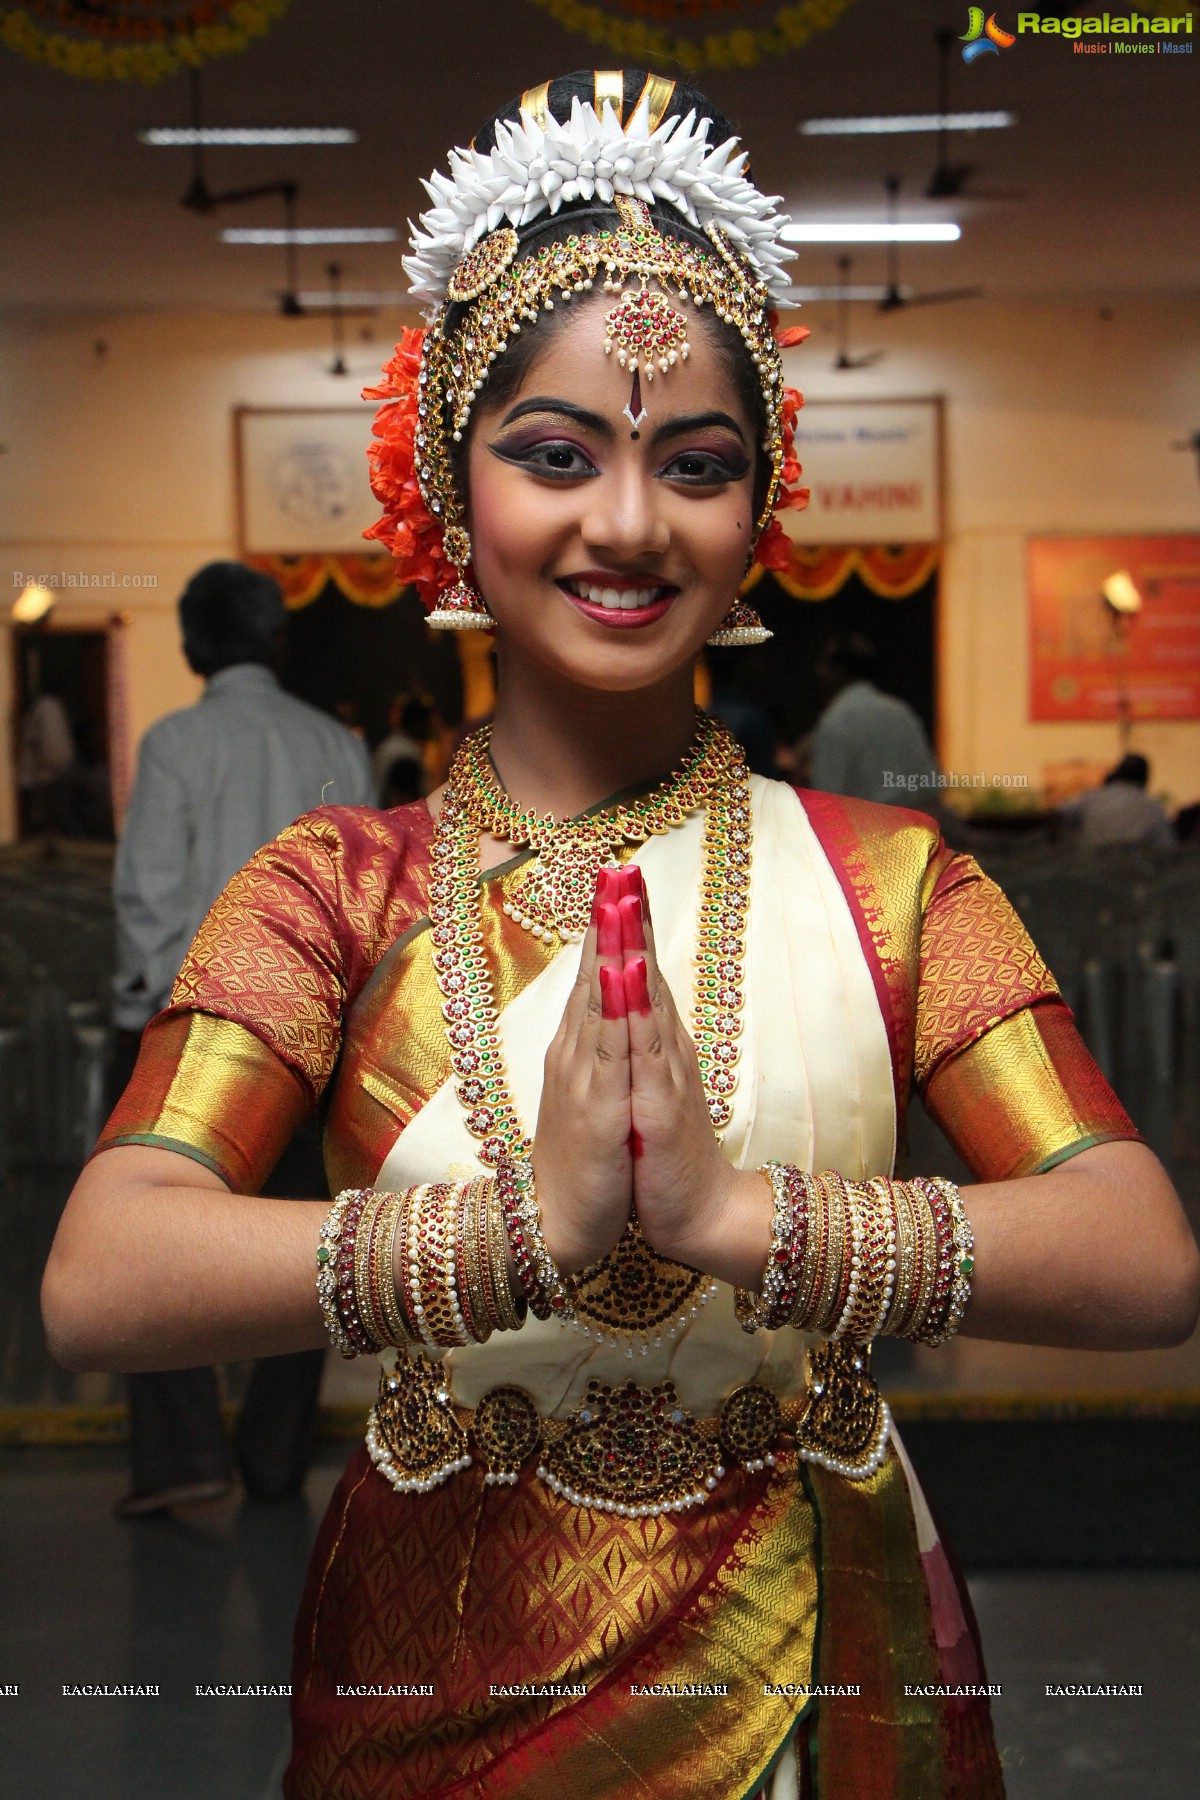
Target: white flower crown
<point>534,169</point>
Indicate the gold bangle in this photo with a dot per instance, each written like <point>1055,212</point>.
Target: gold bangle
<point>878,1192</point>
<point>834,1272</point>
<point>906,1231</point>
<point>395,1328</point>
<point>856,1302</point>
<point>442,1218</point>
<point>818,1232</point>
<point>924,1299</point>
<point>362,1270</point>
<point>477,1314</point>
<point>512,1307</point>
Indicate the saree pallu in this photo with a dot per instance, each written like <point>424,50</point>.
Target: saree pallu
<point>804,1632</point>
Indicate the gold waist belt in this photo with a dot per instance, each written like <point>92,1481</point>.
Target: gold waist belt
<point>628,1449</point>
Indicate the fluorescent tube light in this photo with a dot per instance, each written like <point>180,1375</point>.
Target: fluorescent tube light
<point>818,231</point>
<point>354,297</point>
<point>856,292</point>
<point>893,122</point>
<point>334,234</point>
<point>188,135</point>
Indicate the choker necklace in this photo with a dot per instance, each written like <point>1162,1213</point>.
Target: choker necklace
<point>636,1296</point>
<point>555,898</point>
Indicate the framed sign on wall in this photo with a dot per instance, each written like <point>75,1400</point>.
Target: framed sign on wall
<point>302,482</point>
<point>873,469</point>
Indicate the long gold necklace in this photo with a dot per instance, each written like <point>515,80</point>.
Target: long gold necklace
<point>632,1295</point>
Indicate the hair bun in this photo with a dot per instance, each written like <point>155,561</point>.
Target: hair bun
<point>625,89</point>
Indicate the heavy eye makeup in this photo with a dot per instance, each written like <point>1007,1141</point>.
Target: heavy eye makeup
<point>561,460</point>
<point>706,467</point>
<point>556,458</point>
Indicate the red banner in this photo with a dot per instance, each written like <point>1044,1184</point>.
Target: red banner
<point>1087,661</point>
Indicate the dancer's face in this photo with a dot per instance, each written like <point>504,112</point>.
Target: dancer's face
<point>568,509</point>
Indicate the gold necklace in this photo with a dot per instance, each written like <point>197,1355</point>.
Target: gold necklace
<point>554,898</point>
<point>632,1294</point>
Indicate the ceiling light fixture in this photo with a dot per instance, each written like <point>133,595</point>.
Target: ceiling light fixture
<point>888,123</point>
<point>334,234</point>
<point>188,136</point>
<point>818,231</point>
<point>317,297</point>
<point>857,292</point>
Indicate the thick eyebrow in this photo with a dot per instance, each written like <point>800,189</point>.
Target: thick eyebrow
<point>697,422</point>
<point>592,421</point>
<point>544,403</point>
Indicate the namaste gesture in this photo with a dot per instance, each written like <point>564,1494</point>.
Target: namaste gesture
<point>624,1123</point>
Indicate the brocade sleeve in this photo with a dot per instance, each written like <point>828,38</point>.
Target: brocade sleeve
<point>250,1039</point>
<point>998,1060</point>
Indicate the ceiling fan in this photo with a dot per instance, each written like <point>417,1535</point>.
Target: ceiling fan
<point>845,360</point>
<point>951,180</point>
<point>896,298</point>
<point>337,312</point>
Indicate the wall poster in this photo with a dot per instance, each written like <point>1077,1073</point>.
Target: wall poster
<point>874,472</point>
<point>1087,661</point>
<point>302,479</point>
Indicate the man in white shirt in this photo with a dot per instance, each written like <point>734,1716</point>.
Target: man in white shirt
<point>867,744</point>
<point>215,782</point>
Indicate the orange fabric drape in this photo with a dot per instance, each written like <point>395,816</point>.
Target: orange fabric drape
<point>367,580</point>
<point>818,571</point>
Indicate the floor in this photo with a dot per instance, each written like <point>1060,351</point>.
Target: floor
<point>208,1597</point>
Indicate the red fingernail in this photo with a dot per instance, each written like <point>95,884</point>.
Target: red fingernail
<point>608,931</point>
<point>637,991</point>
<point>604,886</point>
<point>633,929</point>
<point>612,992</point>
<point>631,879</point>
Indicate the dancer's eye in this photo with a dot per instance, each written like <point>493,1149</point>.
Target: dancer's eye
<point>705,468</point>
<point>554,458</point>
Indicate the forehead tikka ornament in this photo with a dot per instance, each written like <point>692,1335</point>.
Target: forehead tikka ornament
<point>645,329</point>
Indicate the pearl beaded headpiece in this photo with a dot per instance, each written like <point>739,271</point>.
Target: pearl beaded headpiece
<point>539,166</point>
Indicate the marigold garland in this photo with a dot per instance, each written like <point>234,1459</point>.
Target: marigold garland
<point>133,44</point>
<point>412,535</point>
<point>742,48</point>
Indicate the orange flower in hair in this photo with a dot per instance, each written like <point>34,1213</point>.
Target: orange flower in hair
<point>407,527</point>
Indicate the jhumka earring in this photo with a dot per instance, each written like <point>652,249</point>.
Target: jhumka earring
<point>741,625</point>
<point>461,607</point>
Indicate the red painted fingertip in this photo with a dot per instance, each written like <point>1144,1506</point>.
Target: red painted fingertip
<point>631,880</point>
<point>607,891</point>
<point>608,931</point>
<point>637,990</point>
<point>633,925</point>
<point>612,992</point>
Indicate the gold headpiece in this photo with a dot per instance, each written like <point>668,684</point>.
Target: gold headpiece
<point>503,296</point>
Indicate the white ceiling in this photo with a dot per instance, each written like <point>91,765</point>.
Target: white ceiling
<point>1107,148</point>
